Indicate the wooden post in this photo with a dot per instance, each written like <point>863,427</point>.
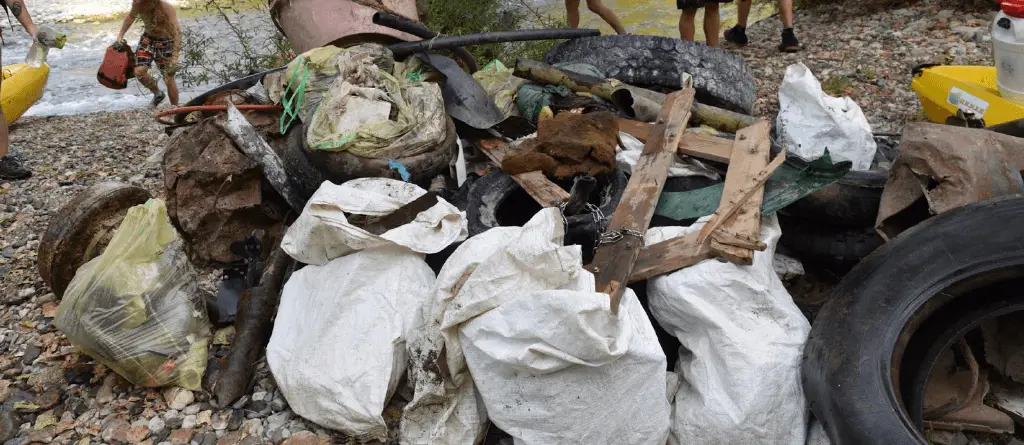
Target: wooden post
<point>608,89</point>
<point>545,192</point>
<point>621,243</point>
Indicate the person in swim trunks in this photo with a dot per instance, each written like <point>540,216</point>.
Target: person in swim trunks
<point>687,20</point>
<point>160,43</point>
<point>10,166</point>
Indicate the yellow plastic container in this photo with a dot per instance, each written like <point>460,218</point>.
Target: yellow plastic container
<point>946,90</point>
<point>22,87</point>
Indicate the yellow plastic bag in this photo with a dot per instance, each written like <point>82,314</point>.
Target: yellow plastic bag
<point>137,307</point>
<point>501,86</point>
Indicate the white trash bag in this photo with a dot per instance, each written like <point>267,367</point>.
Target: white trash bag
<point>552,363</point>
<point>810,121</point>
<point>742,343</point>
<point>338,349</point>
<point>322,232</point>
<point>446,407</point>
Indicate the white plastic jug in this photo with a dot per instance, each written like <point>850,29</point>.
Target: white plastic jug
<point>1008,47</point>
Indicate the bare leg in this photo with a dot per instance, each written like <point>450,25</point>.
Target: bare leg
<point>142,73</point>
<point>572,13</point>
<point>785,11</point>
<point>172,88</point>
<point>606,14</point>
<point>743,11</point>
<point>687,28</point>
<point>711,24</point>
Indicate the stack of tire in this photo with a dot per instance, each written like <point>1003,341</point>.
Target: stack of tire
<point>834,226</point>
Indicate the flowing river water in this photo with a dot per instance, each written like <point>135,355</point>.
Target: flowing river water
<point>92,25</point>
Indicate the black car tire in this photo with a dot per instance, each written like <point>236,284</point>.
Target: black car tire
<point>864,341</point>
<point>721,78</point>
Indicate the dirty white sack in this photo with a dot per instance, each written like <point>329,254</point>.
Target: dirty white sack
<point>322,232</point>
<point>630,148</point>
<point>810,121</point>
<point>816,434</point>
<point>742,341</point>
<point>551,361</point>
<point>446,407</point>
<point>338,350</point>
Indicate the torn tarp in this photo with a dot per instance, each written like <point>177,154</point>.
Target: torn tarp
<point>794,179</point>
<point>942,167</point>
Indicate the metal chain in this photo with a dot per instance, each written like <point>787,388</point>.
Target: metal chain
<point>617,235</point>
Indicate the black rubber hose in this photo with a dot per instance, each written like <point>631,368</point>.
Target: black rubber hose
<point>406,48</point>
<point>419,30</point>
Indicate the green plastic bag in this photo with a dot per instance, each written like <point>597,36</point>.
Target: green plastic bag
<point>137,307</point>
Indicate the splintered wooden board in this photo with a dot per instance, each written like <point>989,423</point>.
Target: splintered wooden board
<point>712,148</point>
<point>545,192</point>
<point>749,157</point>
<point>613,262</point>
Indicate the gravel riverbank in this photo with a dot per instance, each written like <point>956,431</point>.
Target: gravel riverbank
<point>52,394</point>
<point>868,52</point>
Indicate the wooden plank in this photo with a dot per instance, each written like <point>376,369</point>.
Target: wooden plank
<point>749,157</point>
<point>615,258</point>
<point>669,256</point>
<point>701,146</point>
<point>724,212</point>
<point>545,192</point>
<point>684,251</point>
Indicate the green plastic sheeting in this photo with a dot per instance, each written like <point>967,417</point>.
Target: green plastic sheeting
<point>532,97</point>
<point>794,179</point>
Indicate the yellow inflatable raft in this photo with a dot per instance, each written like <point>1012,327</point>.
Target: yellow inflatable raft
<point>951,93</point>
<point>22,86</point>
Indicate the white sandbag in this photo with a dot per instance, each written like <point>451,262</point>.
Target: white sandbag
<point>338,349</point>
<point>810,121</point>
<point>816,434</point>
<point>551,361</point>
<point>628,153</point>
<point>322,232</point>
<point>742,342</point>
<point>446,407</point>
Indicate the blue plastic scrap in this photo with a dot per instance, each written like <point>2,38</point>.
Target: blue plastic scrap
<point>397,166</point>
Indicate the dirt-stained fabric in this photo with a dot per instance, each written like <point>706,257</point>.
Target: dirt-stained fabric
<point>215,194</point>
<point>568,145</point>
<point>942,167</point>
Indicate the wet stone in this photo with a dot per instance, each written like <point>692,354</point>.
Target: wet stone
<point>48,399</point>
<point>180,437</point>
<point>257,409</point>
<point>173,420</point>
<point>44,435</point>
<point>8,425</point>
<point>235,422</point>
<point>209,439</point>
<point>157,425</point>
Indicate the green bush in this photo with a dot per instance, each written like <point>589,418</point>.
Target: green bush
<point>460,17</point>
<point>249,53</point>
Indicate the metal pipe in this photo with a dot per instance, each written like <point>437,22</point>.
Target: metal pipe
<point>406,48</point>
<point>403,24</point>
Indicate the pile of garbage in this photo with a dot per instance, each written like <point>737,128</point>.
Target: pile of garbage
<point>558,254</point>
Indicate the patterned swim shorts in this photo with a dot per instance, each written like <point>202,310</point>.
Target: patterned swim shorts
<point>154,49</point>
